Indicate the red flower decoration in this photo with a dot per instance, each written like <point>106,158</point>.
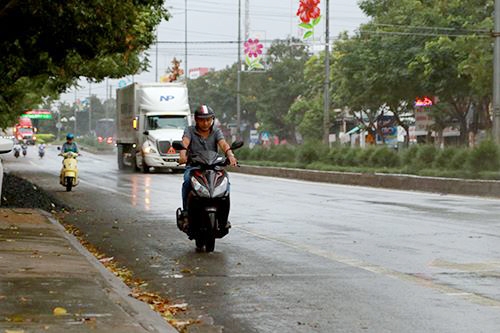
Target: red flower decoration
<point>308,9</point>
<point>253,48</point>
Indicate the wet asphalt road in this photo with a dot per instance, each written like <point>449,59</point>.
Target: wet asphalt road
<point>301,256</point>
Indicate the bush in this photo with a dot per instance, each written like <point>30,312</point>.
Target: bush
<point>410,155</point>
<point>351,158</point>
<point>365,155</point>
<point>337,155</point>
<point>258,153</point>
<point>384,157</point>
<point>45,138</point>
<point>281,153</point>
<point>426,155</point>
<point>484,157</point>
<point>444,158</point>
<point>459,161</point>
<point>308,152</point>
<point>243,153</point>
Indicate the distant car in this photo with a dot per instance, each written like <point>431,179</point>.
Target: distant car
<point>5,147</point>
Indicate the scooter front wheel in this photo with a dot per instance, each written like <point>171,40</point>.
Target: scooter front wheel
<point>69,184</point>
<point>210,244</point>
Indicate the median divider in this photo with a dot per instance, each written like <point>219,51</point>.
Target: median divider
<point>486,188</point>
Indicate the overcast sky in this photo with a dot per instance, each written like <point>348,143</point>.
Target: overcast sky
<point>209,21</point>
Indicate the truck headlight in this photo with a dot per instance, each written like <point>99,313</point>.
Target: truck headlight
<point>149,150</point>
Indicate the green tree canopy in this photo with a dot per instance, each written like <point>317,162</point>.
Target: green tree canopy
<point>48,45</point>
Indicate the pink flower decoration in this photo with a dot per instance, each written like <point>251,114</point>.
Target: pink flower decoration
<point>253,48</point>
<point>308,9</point>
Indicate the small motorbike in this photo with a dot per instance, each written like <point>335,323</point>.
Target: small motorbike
<point>24,148</point>
<point>41,151</point>
<point>208,201</point>
<point>69,172</point>
<point>17,151</point>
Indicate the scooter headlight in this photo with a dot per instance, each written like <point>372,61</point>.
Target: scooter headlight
<point>221,188</point>
<point>200,189</point>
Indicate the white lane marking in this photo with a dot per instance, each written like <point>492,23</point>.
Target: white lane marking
<point>421,281</point>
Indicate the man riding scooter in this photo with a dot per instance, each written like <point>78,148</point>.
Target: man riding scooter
<point>69,172</point>
<point>70,144</point>
<point>41,150</point>
<point>201,137</point>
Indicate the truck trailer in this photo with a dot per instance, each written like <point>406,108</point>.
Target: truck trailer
<point>150,117</point>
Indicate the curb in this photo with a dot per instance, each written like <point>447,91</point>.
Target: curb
<point>483,188</point>
<point>116,289</point>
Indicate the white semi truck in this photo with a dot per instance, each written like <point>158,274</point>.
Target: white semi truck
<point>150,117</point>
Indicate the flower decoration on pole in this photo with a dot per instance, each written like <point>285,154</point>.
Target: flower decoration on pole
<point>253,49</point>
<point>173,73</point>
<point>309,14</point>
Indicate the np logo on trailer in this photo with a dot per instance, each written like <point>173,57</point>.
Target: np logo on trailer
<point>166,98</point>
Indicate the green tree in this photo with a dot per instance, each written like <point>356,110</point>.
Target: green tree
<point>48,45</point>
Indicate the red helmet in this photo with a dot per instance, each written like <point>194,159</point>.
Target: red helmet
<point>204,111</point>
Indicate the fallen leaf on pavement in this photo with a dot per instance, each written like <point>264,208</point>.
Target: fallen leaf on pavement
<point>59,311</point>
<point>103,260</point>
<point>181,306</point>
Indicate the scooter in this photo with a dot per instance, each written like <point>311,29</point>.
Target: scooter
<point>69,172</point>
<point>17,151</point>
<point>24,147</point>
<point>208,200</point>
<point>41,151</point>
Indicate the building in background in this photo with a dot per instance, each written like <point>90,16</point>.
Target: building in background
<point>195,73</point>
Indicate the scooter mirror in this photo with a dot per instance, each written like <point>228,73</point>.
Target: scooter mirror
<point>58,148</point>
<point>236,145</point>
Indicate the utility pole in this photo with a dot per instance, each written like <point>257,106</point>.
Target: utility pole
<point>247,19</point>
<point>496,75</point>
<point>185,41</point>
<point>90,108</point>
<point>326,94</point>
<point>156,58</point>
<point>238,78</point>
<point>74,115</point>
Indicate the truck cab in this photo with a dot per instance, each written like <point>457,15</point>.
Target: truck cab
<point>150,117</point>
<point>24,131</point>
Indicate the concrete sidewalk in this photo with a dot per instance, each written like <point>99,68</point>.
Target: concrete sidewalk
<point>42,267</point>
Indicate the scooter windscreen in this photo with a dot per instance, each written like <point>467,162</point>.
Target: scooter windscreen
<point>207,158</point>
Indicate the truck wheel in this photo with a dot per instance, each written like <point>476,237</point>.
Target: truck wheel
<point>144,166</point>
<point>121,165</point>
<point>134,165</point>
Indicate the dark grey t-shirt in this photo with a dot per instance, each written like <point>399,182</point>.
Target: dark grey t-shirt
<point>198,143</point>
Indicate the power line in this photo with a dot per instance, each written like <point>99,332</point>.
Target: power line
<point>422,34</point>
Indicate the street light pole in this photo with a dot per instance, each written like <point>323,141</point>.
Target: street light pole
<point>238,76</point>
<point>326,94</point>
<point>185,40</point>
<point>74,115</point>
<point>90,108</point>
<point>496,75</point>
